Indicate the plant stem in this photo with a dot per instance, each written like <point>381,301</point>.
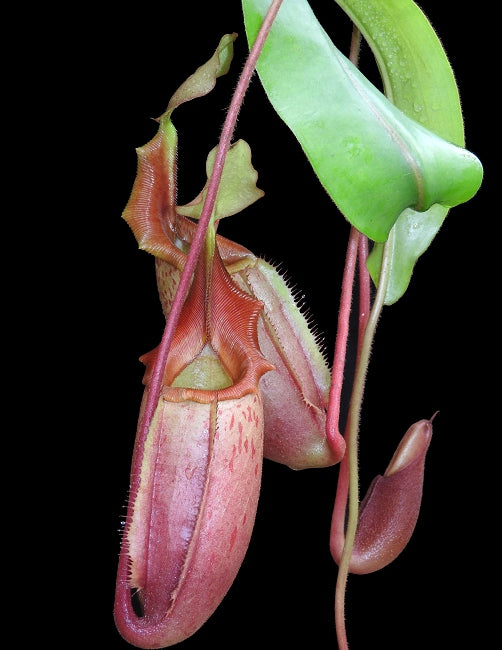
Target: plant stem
<point>342,335</point>
<point>351,438</point>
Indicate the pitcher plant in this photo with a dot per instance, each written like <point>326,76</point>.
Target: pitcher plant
<point>239,375</point>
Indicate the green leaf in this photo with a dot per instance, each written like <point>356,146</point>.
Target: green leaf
<point>418,79</point>
<point>373,160</point>
<point>237,188</point>
<point>415,71</point>
<point>413,233</point>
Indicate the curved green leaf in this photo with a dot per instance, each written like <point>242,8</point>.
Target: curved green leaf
<point>418,79</point>
<point>415,71</point>
<point>413,233</point>
<point>373,160</point>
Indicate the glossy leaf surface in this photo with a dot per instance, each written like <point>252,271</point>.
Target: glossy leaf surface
<point>418,79</point>
<point>373,160</point>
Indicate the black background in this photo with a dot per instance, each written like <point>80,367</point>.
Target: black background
<point>104,73</point>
